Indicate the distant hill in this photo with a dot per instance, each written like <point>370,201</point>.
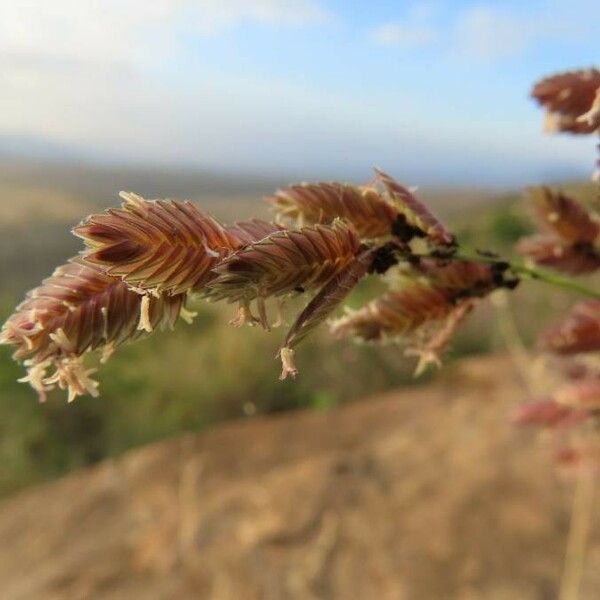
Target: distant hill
<point>99,185</point>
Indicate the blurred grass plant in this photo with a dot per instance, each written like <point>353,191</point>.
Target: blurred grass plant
<point>149,262</point>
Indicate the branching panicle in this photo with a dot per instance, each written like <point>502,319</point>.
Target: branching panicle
<point>570,243</point>
<point>141,261</point>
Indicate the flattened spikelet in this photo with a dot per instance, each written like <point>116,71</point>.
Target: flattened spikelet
<point>571,99</point>
<point>158,245</point>
<point>431,351</point>
<point>434,290</point>
<point>78,309</point>
<point>371,215</point>
<point>578,332</point>
<point>583,394</point>
<point>563,216</point>
<point>416,214</point>
<point>546,251</point>
<point>396,314</point>
<point>283,261</point>
<point>592,116</point>
<point>249,232</point>
<point>469,278</point>
<point>570,243</point>
<point>333,293</point>
<point>546,413</point>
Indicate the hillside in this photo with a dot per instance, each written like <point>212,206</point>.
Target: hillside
<point>418,494</point>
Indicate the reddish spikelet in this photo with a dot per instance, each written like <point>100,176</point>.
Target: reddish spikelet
<point>419,221</point>
<point>431,352</point>
<point>571,100</point>
<point>545,413</point>
<point>249,232</point>
<point>546,251</point>
<point>396,314</point>
<point>578,332</point>
<point>162,246</point>
<point>364,207</point>
<point>592,116</point>
<point>283,261</point>
<point>571,242</point>
<point>469,278</point>
<point>78,309</point>
<point>333,293</point>
<point>437,294</point>
<point>584,394</point>
<point>563,216</point>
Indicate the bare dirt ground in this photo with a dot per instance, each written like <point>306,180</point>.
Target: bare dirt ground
<point>425,493</point>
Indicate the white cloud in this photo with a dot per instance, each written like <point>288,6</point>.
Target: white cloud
<point>79,30</point>
<point>489,33</point>
<point>130,31</point>
<point>212,16</point>
<point>95,74</point>
<point>102,75</point>
<point>405,35</point>
<point>417,28</point>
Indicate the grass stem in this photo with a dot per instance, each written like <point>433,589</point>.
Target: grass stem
<point>579,533</point>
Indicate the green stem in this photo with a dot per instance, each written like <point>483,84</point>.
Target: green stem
<point>553,279</point>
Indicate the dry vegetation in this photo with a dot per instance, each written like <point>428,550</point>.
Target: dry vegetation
<point>420,493</point>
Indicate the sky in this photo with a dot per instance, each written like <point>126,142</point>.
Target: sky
<point>434,92</point>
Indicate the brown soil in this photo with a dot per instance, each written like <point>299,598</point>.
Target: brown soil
<point>425,493</point>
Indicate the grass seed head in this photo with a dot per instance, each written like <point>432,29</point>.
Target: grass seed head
<point>79,309</point>
<point>571,101</point>
<point>284,261</point>
<point>158,246</point>
<point>578,332</point>
<point>368,211</point>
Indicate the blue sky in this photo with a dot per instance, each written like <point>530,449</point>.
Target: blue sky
<point>435,92</point>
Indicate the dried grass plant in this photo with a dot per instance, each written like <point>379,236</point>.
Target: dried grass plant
<point>143,260</point>
<point>570,242</point>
